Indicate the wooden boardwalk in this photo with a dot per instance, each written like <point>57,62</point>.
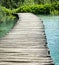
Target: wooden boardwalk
<point>26,43</point>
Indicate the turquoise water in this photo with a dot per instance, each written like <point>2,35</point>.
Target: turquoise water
<point>6,27</point>
<point>51,24</point>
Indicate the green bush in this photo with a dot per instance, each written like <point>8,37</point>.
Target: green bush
<point>36,9</point>
<point>47,8</point>
<point>55,5</point>
<point>54,8</point>
<point>55,12</point>
<point>5,15</point>
<point>7,11</point>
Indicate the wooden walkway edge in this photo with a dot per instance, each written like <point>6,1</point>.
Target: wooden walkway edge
<point>26,43</point>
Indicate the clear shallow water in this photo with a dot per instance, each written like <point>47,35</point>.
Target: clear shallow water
<point>51,24</point>
<point>6,27</point>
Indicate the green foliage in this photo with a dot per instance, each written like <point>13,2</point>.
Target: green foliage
<point>7,11</point>
<point>28,2</point>
<point>55,5</point>
<point>11,4</point>
<point>39,9</point>
<point>33,6</point>
<point>5,15</point>
<point>54,8</point>
<point>55,12</point>
<point>36,9</point>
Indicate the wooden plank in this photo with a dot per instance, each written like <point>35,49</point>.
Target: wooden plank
<point>26,43</point>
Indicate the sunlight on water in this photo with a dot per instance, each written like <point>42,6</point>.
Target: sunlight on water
<point>51,24</point>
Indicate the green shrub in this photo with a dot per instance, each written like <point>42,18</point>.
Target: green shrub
<point>55,5</point>
<point>5,15</point>
<point>47,8</point>
<point>55,12</point>
<point>7,11</point>
<point>36,9</point>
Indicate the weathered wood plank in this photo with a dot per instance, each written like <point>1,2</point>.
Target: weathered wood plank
<point>26,43</point>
